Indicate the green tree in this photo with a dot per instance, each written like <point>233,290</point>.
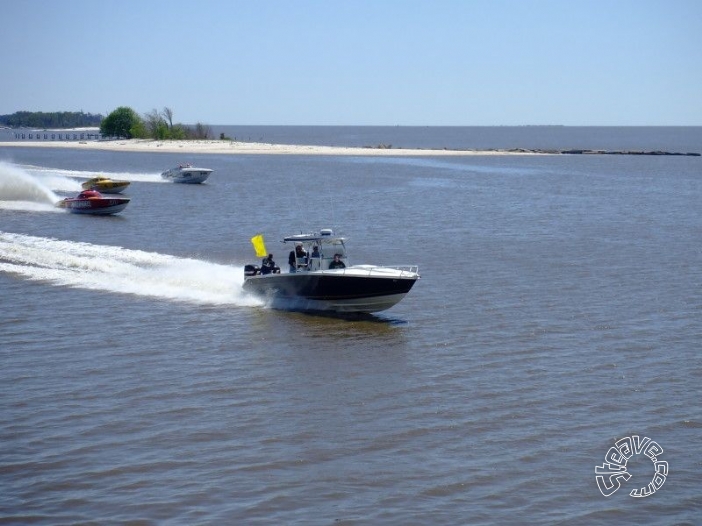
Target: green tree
<point>178,132</point>
<point>156,125</point>
<point>123,122</point>
<point>138,130</point>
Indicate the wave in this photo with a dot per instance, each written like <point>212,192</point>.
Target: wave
<point>120,270</point>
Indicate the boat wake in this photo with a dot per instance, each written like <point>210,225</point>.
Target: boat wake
<point>19,190</point>
<point>33,188</point>
<point>60,176</point>
<point>116,269</point>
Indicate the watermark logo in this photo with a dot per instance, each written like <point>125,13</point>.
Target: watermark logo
<point>610,474</point>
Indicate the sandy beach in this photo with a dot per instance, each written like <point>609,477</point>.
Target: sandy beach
<point>248,148</point>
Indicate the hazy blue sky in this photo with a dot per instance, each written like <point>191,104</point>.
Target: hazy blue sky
<point>380,62</point>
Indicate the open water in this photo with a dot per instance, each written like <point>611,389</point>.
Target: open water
<point>559,310</point>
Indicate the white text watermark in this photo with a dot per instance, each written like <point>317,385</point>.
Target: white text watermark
<point>610,474</point>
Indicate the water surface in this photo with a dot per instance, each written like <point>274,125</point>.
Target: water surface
<point>558,311</point>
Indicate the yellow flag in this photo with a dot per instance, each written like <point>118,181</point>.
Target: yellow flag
<point>259,246</point>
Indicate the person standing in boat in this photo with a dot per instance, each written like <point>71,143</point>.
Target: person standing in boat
<point>297,258</point>
<point>337,263</point>
<point>268,265</point>
<point>315,261</point>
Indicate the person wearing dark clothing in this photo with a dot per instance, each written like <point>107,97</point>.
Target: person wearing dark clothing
<point>337,263</point>
<point>267,265</point>
<point>301,255</point>
<point>297,258</point>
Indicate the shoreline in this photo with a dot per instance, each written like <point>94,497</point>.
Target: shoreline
<point>228,147</point>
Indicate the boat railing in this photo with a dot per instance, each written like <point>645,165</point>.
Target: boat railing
<point>414,269</point>
<point>406,271</point>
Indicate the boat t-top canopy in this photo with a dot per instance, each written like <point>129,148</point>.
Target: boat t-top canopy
<point>325,236</point>
<point>318,249</point>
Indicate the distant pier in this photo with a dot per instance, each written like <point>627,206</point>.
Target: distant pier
<point>55,135</point>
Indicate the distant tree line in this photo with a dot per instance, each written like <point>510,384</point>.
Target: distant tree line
<point>55,119</point>
<point>122,122</point>
<point>125,122</point>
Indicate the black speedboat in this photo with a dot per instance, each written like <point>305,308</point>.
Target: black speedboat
<point>317,281</point>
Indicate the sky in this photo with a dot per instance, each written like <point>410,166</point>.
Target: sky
<point>359,62</point>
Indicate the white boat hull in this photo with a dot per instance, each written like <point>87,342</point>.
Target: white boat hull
<point>187,175</point>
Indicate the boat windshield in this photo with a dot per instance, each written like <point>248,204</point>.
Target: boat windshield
<point>317,250</point>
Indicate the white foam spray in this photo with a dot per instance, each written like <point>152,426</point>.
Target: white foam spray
<point>20,190</point>
<point>120,270</point>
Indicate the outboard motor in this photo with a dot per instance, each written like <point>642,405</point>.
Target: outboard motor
<point>251,270</point>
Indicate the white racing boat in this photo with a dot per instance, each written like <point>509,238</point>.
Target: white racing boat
<point>317,281</point>
<point>187,173</point>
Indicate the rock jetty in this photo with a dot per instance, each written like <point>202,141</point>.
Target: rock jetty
<point>578,151</point>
